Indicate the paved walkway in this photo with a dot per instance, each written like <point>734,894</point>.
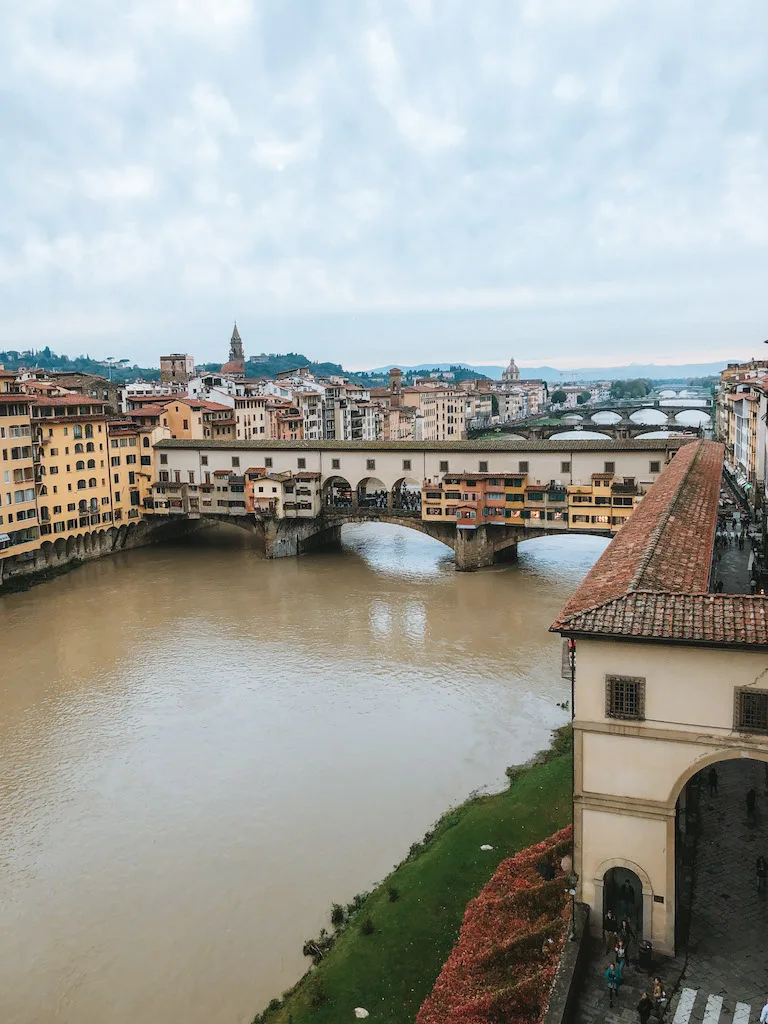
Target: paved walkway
<point>724,978</point>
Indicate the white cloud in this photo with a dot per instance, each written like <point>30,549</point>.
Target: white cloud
<point>551,174</point>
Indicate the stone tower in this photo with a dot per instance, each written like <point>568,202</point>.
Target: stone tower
<point>236,364</point>
<point>395,388</point>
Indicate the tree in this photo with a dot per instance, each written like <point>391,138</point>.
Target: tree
<point>584,397</point>
<point>558,397</point>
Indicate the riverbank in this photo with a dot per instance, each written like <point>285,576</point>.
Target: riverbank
<point>20,583</point>
<point>389,953</point>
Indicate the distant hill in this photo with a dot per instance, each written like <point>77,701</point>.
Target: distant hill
<point>45,359</point>
<point>680,372</point>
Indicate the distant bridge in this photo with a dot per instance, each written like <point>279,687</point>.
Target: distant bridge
<point>622,430</point>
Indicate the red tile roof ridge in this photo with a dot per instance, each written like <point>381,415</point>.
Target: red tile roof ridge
<point>661,548</point>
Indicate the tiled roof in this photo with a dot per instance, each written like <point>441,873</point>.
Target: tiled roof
<point>686,618</point>
<point>72,399</point>
<point>651,581</point>
<point>500,444</point>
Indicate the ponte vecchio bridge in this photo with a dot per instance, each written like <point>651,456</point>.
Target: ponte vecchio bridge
<point>299,494</point>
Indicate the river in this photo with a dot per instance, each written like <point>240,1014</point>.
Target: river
<point>202,749</point>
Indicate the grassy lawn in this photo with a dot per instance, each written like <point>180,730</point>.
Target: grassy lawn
<point>391,971</point>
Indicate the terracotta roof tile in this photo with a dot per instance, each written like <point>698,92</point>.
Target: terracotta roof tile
<point>687,618</point>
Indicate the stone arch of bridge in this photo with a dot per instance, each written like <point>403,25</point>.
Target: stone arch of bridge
<point>406,493</point>
<point>372,492</point>
<point>337,492</point>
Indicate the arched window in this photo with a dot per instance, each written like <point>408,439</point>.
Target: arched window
<point>92,482</point>
<point>146,442</point>
<point>79,465</point>
<point>77,430</point>
<point>81,485</point>
<point>42,470</point>
<point>91,463</point>
<point>90,447</point>
<point>82,506</point>
<point>94,504</point>
<point>89,430</point>
<point>78,448</point>
<point>43,490</point>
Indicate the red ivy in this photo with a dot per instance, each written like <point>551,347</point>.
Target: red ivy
<point>503,965</point>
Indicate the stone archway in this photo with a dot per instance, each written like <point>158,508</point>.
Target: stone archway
<point>608,879</point>
<point>372,493</point>
<point>337,493</point>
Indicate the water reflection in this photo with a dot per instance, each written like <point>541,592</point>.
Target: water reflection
<point>202,749</point>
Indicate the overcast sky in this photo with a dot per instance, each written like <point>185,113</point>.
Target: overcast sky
<point>371,181</point>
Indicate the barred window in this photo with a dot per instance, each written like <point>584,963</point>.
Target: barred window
<point>750,710</point>
<point>625,697</point>
<point>522,467</point>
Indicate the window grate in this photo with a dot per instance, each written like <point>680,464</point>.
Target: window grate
<point>625,697</point>
<point>751,710</point>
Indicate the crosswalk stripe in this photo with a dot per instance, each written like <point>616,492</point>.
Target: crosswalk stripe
<point>712,1012</point>
<point>741,1013</point>
<point>684,1006</point>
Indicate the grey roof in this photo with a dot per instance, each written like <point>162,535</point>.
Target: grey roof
<point>489,445</point>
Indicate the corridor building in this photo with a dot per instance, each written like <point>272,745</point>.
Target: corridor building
<point>668,678</point>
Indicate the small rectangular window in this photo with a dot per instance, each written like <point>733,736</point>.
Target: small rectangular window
<point>655,467</point>
<point>235,461</point>
<point>203,460</point>
<point>370,464</point>
<point>443,467</point>
<point>301,463</point>
<point>335,463</point>
<point>750,713</point>
<point>482,467</point>
<point>163,460</point>
<point>268,463</point>
<point>565,467</point>
<point>625,697</point>
<point>609,467</point>
<point>406,464</point>
<point>522,467</point>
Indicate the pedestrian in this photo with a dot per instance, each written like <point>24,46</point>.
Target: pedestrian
<point>613,980</point>
<point>627,898</point>
<point>659,997</point>
<point>644,1008</point>
<point>626,934</point>
<point>610,930</point>
<point>712,779</point>
<point>764,1014</point>
<point>761,867</point>
<point>751,803</point>
<point>621,958</point>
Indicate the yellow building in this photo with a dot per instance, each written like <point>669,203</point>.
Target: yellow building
<point>131,467</point>
<point>19,529</point>
<point>605,504</point>
<point>72,462</point>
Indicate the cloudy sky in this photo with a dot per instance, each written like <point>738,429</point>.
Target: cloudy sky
<point>372,181</point>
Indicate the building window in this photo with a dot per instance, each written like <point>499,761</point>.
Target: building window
<point>750,710</point>
<point>268,463</point>
<point>655,467</point>
<point>164,460</point>
<point>235,461</point>
<point>335,463</point>
<point>565,467</point>
<point>370,464</point>
<point>301,463</point>
<point>203,459</point>
<point>625,697</point>
<point>443,467</point>
<point>609,467</point>
<point>522,467</point>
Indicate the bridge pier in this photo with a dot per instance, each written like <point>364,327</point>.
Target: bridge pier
<point>483,546</point>
<point>284,538</point>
